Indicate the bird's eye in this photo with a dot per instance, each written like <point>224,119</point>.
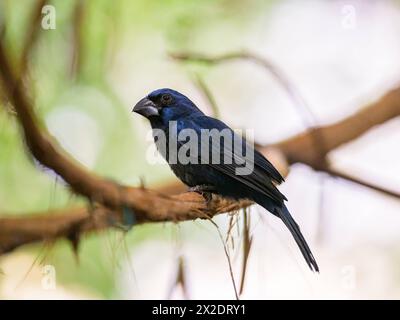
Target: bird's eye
<point>166,99</point>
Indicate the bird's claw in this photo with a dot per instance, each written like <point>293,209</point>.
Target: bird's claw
<point>202,188</point>
<point>205,190</point>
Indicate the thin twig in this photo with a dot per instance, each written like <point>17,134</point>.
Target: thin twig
<point>247,243</point>
<point>302,108</point>
<point>228,258</point>
<point>78,45</point>
<point>198,80</point>
<point>338,174</point>
<point>32,34</point>
<point>278,74</point>
<point>180,279</point>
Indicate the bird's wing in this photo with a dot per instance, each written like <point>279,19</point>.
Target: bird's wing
<point>260,179</point>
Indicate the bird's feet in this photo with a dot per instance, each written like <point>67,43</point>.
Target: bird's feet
<point>205,190</point>
<point>202,188</point>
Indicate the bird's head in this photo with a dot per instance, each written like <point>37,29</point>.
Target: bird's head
<point>165,104</point>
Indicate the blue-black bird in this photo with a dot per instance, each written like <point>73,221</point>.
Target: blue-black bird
<point>166,106</point>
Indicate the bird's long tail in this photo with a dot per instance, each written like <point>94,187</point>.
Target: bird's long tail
<point>284,214</point>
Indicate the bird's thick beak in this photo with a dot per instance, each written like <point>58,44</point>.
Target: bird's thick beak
<point>146,108</point>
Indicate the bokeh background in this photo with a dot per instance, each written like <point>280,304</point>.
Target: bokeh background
<point>340,55</point>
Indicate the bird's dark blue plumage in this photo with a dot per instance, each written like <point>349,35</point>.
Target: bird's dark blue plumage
<point>165,106</point>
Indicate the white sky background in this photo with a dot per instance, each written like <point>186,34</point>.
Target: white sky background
<point>338,66</point>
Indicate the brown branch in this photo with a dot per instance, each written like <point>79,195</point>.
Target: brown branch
<point>17,231</point>
<point>72,223</point>
<point>148,205</point>
<point>300,149</point>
